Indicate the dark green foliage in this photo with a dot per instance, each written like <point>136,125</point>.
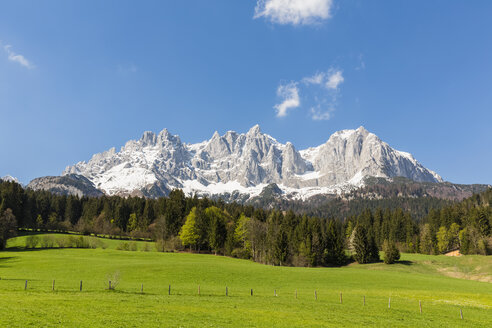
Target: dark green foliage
<point>366,250</point>
<point>265,235</point>
<point>391,252</point>
<point>8,226</point>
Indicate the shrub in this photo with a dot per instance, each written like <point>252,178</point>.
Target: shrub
<point>244,254</point>
<point>62,241</point>
<point>96,243</point>
<point>32,241</point>
<point>71,241</point>
<point>114,278</point>
<point>81,242</point>
<point>47,241</point>
<point>159,245</point>
<point>124,246</point>
<point>145,247</point>
<point>391,252</point>
<point>132,246</point>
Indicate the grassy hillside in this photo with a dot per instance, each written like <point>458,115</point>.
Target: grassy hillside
<point>418,277</point>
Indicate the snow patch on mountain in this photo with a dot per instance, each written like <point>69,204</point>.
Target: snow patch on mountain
<point>10,178</point>
<point>246,163</point>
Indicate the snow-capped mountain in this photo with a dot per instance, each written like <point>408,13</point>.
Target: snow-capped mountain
<point>9,178</point>
<point>246,163</point>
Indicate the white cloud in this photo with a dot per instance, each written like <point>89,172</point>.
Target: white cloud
<point>295,12</point>
<point>331,79</point>
<point>320,92</point>
<point>318,115</point>
<point>20,59</point>
<point>323,108</point>
<point>334,79</point>
<point>290,95</point>
<point>315,79</point>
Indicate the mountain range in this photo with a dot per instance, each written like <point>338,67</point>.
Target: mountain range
<point>237,165</point>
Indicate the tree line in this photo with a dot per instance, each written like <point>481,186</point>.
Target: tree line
<point>270,236</point>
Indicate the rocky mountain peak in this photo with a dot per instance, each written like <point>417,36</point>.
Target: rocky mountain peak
<point>245,163</point>
<point>148,138</point>
<point>254,131</point>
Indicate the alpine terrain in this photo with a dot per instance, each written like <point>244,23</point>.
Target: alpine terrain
<point>242,164</point>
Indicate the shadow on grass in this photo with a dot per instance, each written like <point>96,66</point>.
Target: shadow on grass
<point>404,262</point>
<point>7,259</point>
<point>23,249</point>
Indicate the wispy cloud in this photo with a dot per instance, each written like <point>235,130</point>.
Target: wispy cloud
<point>334,80</point>
<point>17,58</point>
<point>289,93</point>
<point>361,63</point>
<point>318,92</point>
<point>330,79</point>
<point>320,115</point>
<point>295,12</point>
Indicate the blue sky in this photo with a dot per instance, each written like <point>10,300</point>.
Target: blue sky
<point>79,77</point>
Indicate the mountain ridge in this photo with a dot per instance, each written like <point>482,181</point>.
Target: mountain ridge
<point>245,163</point>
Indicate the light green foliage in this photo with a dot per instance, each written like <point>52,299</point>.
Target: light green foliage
<point>39,221</point>
<point>442,240</point>
<point>132,223</point>
<point>442,297</point>
<point>241,232</point>
<point>189,233</point>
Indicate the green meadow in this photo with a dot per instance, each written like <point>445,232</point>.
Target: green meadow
<point>443,285</point>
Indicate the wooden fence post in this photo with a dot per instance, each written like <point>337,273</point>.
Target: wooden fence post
<point>389,303</point>
<point>461,314</point>
<point>53,285</point>
<point>251,291</point>
<point>227,291</point>
<point>341,298</point>
<point>81,285</point>
<point>25,286</point>
<point>110,285</point>
<point>315,295</point>
<point>274,292</point>
<point>169,292</point>
<point>420,306</point>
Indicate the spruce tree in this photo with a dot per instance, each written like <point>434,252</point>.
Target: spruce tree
<point>365,247</point>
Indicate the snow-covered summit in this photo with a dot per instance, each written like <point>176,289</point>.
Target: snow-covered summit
<point>9,178</point>
<point>245,163</point>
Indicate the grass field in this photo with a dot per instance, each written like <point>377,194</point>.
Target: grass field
<point>419,277</point>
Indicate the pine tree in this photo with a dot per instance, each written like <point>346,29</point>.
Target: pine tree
<point>366,250</point>
<point>391,252</point>
<point>8,227</point>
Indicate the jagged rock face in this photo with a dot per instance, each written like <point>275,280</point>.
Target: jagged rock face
<point>246,163</point>
<point>70,184</point>
<point>351,155</point>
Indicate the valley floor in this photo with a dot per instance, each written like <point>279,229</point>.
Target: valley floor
<point>416,278</point>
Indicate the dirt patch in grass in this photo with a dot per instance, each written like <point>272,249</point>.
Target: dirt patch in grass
<point>450,272</point>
